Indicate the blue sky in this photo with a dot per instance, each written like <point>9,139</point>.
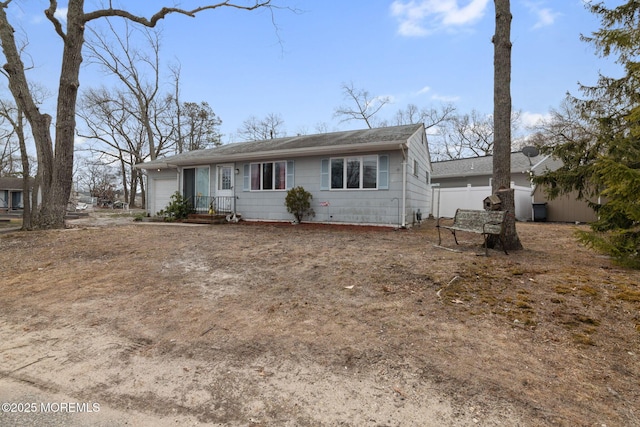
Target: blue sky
<point>423,52</point>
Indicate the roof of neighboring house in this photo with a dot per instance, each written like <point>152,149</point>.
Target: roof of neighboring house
<point>12,183</point>
<point>477,166</point>
<point>354,141</point>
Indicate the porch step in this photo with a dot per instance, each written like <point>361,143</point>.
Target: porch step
<point>207,218</point>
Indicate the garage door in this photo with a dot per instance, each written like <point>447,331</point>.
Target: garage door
<point>162,191</point>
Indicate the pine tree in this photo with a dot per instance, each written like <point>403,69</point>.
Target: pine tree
<point>607,164</point>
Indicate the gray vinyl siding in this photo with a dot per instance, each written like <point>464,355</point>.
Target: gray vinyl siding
<point>368,206</point>
<point>418,185</point>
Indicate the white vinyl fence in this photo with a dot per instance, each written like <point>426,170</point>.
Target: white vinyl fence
<point>447,200</point>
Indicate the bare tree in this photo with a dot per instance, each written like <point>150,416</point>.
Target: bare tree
<point>501,182</point>
<point>14,117</point>
<point>566,125</point>
<point>138,70</point>
<point>56,170</point>
<point>254,129</point>
<point>364,107</point>
<point>136,121</point>
<point>430,117</point>
<point>462,136</point>
<point>114,133</point>
<point>100,179</point>
<point>9,149</point>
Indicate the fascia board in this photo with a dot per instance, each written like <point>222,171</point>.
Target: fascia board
<point>154,165</point>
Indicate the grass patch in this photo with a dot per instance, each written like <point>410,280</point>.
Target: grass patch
<point>583,339</point>
<point>589,291</point>
<point>628,295</point>
<point>564,289</point>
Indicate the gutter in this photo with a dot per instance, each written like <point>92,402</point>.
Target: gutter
<point>404,185</point>
<point>155,165</point>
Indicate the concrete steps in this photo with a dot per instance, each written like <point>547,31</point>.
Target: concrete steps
<point>208,218</point>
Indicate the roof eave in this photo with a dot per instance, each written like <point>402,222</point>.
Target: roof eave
<point>154,165</point>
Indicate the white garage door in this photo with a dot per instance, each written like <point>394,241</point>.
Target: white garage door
<point>163,189</point>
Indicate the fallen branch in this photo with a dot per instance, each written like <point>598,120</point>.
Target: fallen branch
<point>447,249</point>
<point>450,282</point>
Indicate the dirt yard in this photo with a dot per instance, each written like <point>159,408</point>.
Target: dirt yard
<point>282,325</point>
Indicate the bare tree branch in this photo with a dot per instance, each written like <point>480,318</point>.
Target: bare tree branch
<point>50,14</point>
<point>162,13</point>
<point>366,106</point>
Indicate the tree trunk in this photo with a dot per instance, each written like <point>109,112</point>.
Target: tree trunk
<point>55,172</point>
<point>40,123</point>
<point>134,187</point>
<point>143,192</point>
<point>27,195</point>
<point>52,213</point>
<point>511,240</point>
<point>501,182</point>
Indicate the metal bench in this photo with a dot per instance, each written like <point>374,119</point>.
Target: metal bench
<point>475,221</point>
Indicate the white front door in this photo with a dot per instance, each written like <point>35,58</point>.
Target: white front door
<point>224,192</point>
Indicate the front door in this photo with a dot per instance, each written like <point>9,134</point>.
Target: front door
<point>195,187</point>
<point>225,193</point>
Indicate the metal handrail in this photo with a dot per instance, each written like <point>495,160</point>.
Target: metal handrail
<point>214,205</point>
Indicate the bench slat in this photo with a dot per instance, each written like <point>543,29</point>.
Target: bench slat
<point>476,221</point>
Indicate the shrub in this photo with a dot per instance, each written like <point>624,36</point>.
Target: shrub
<point>179,208</point>
<point>298,203</point>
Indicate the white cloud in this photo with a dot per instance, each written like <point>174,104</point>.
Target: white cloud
<point>529,119</point>
<point>422,17</point>
<point>61,14</point>
<point>545,16</point>
<point>445,98</point>
<point>423,90</point>
<point>79,141</point>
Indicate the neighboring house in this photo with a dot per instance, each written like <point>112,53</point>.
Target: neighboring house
<point>464,183</point>
<point>478,171</point>
<point>11,194</point>
<point>372,176</point>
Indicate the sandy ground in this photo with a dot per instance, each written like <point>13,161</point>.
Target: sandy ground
<point>112,322</point>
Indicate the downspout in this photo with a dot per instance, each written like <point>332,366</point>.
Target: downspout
<point>404,186</point>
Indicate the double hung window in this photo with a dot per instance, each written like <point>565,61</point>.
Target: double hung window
<point>268,176</point>
<point>354,172</point>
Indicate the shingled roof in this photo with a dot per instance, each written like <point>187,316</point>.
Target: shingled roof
<point>296,146</point>
<point>12,183</point>
<point>477,166</point>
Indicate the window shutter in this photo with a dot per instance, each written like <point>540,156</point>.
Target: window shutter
<point>324,174</point>
<point>290,174</point>
<point>383,172</point>
<point>246,178</point>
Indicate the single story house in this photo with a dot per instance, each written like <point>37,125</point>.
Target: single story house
<point>465,183</point>
<point>371,176</point>
<point>11,194</point>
